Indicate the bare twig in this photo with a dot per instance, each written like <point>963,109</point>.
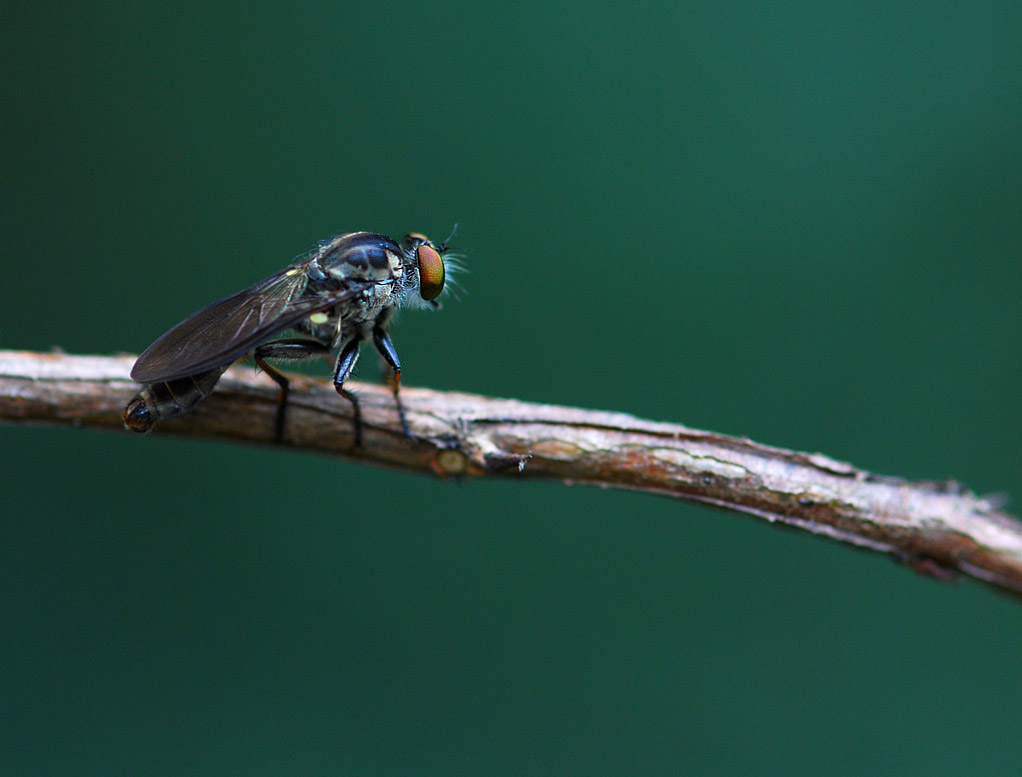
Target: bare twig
<point>940,529</point>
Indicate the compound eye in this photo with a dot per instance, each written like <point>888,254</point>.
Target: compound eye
<point>431,271</point>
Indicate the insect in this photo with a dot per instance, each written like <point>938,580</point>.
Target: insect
<point>343,293</point>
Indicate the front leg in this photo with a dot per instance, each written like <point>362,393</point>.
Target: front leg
<point>388,352</point>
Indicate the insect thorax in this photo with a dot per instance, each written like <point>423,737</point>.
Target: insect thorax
<point>368,265</point>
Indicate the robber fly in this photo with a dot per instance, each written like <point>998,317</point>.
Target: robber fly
<point>343,293</point>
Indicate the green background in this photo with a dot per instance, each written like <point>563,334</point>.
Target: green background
<point>793,222</point>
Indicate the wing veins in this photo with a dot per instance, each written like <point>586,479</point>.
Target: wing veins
<point>228,329</point>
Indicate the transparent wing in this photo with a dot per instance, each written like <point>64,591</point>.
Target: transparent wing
<point>230,328</point>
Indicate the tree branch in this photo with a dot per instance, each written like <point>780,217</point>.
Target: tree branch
<point>939,528</point>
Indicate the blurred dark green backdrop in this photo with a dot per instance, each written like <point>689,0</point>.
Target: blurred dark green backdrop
<point>798,224</point>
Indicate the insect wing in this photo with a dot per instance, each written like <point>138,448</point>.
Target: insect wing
<point>228,329</point>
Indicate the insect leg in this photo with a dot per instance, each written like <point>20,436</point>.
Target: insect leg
<point>388,352</point>
<point>288,348</point>
<point>345,364</point>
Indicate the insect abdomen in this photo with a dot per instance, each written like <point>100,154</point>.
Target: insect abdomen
<point>163,401</point>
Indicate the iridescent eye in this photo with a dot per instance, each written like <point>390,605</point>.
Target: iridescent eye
<point>431,271</point>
